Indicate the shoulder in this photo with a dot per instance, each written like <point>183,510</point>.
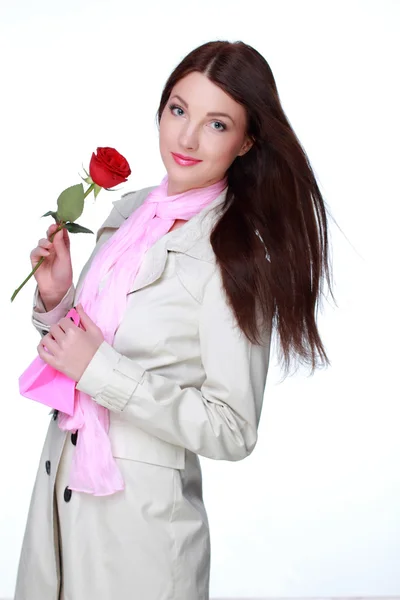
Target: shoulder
<point>122,208</point>
<point>130,201</point>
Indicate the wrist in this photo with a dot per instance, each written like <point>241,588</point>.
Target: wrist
<point>50,301</point>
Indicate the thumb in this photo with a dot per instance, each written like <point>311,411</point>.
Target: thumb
<point>59,242</point>
<point>85,320</point>
<point>66,238</point>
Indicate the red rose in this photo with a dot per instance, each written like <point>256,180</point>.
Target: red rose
<point>108,168</point>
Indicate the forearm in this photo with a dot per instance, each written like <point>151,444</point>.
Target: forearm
<point>219,418</point>
<point>203,421</point>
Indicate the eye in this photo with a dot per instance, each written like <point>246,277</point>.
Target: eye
<point>176,110</point>
<point>219,126</point>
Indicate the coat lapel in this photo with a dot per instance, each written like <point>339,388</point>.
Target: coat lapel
<point>123,208</point>
<point>192,238</point>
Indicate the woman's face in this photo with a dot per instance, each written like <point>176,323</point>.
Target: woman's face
<point>202,131</point>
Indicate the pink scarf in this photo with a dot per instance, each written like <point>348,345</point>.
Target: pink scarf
<point>114,267</point>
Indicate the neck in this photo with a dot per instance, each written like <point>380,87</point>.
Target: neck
<point>175,188</point>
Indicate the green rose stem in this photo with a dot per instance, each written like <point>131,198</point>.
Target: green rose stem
<point>61,225</point>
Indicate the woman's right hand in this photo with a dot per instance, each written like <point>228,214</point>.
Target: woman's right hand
<point>54,276</point>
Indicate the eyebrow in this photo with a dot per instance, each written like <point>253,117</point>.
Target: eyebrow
<point>209,114</point>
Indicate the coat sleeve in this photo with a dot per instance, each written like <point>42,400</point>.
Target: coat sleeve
<point>43,319</point>
<point>220,419</point>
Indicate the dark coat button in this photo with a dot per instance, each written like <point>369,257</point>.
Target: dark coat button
<point>67,494</point>
<point>74,438</point>
<point>55,415</point>
<point>48,467</point>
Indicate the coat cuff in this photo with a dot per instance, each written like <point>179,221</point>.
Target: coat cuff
<point>43,319</point>
<point>110,378</point>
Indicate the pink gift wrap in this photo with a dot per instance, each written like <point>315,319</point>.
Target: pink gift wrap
<point>48,386</point>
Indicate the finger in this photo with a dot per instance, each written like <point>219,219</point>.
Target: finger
<point>46,356</point>
<point>37,253</point>
<point>59,243</point>
<point>58,333</point>
<point>49,345</point>
<point>66,324</point>
<point>86,321</point>
<point>51,229</point>
<point>45,243</point>
<point>66,238</point>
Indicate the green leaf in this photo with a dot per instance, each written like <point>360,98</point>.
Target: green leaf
<point>75,228</point>
<point>51,214</point>
<point>70,203</point>
<point>97,190</point>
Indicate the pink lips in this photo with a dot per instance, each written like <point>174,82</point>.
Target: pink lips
<point>185,161</point>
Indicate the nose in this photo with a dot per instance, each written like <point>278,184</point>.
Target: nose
<point>189,137</point>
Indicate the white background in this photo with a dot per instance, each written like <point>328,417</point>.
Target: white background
<point>315,509</point>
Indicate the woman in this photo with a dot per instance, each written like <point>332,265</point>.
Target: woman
<point>175,351</point>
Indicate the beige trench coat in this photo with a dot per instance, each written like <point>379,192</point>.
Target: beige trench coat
<point>180,380</point>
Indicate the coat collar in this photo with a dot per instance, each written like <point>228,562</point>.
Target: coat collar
<point>192,238</point>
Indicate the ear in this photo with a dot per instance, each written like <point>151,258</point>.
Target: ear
<point>247,144</point>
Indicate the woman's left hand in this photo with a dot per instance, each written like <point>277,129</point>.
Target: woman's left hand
<point>70,348</point>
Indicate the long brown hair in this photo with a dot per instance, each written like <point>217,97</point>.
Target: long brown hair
<point>271,242</point>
